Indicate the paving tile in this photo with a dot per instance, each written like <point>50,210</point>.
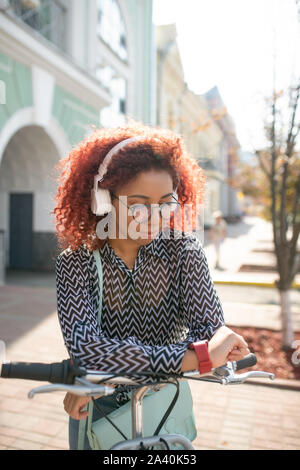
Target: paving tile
<point>290,422</point>
<point>64,433</point>
<point>35,437</point>
<point>266,444</point>
<point>232,445</point>
<point>237,438</point>
<point>292,440</point>
<point>232,431</point>
<point>7,388</point>
<point>9,404</point>
<point>23,444</point>
<point>271,433</point>
<point>239,425</point>
<point>62,444</point>
<point>48,447</point>
<point>16,420</point>
<point>6,440</point>
<point>10,431</point>
<point>211,424</point>
<point>295,432</point>
<point>205,441</point>
<point>47,426</point>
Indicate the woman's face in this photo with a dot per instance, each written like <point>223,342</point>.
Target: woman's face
<point>149,187</point>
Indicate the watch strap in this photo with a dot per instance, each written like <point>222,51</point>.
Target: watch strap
<point>201,350</point>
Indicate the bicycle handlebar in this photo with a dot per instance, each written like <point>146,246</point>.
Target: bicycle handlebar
<point>247,361</point>
<point>57,372</point>
<point>68,372</point>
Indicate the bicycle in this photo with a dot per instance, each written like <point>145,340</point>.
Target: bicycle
<point>69,376</point>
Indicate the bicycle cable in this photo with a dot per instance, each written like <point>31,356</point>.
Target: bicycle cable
<point>108,419</point>
<point>146,374</point>
<point>165,416</point>
<point>167,413</point>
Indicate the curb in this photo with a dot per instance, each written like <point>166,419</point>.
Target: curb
<point>295,285</point>
<point>276,383</point>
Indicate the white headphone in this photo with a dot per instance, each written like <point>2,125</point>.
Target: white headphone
<point>100,198</point>
<point>101,202</point>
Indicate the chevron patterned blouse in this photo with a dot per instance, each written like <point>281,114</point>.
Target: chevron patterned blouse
<point>149,315</point>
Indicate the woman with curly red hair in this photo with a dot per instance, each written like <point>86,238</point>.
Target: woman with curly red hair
<point>160,308</point>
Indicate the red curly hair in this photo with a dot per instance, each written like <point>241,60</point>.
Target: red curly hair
<point>75,222</point>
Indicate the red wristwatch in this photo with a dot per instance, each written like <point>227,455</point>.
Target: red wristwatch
<point>201,350</point>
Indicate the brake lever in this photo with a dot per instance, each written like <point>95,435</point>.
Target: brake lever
<point>241,378</point>
<point>87,390</point>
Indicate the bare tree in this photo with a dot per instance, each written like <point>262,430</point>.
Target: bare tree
<point>280,164</point>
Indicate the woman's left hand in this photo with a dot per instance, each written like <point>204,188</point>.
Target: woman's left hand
<point>226,345</point>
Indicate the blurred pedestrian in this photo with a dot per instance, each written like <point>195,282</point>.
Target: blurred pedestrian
<point>217,235</point>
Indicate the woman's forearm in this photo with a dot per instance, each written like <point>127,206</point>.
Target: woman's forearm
<point>189,361</point>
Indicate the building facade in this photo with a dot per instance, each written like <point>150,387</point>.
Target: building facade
<point>190,115</point>
<point>226,164</point>
<point>64,66</point>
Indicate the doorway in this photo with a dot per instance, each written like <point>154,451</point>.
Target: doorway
<point>20,231</point>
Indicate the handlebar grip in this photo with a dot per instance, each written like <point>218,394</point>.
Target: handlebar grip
<point>58,372</point>
<point>248,361</point>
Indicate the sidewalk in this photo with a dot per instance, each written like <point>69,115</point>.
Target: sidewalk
<point>246,255</point>
<point>243,417</point>
<point>29,326</point>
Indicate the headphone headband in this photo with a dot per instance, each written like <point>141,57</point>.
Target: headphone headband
<point>104,165</point>
<point>100,198</point>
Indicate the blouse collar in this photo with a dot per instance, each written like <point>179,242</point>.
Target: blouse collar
<point>153,248</point>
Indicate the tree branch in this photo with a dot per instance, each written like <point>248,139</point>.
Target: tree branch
<point>293,250</point>
<point>296,202</point>
<point>273,182</point>
<point>291,137</point>
<point>262,165</point>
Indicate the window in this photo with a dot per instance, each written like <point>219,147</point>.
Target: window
<point>111,27</point>
<point>114,114</point>
<point>47,17</point>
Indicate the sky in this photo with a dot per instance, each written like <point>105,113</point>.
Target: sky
<point>234,44</point>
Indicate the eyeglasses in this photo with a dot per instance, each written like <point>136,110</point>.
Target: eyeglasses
<point>142,212</point>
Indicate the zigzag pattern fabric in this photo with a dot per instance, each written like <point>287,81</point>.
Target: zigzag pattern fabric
<point>149,315</point>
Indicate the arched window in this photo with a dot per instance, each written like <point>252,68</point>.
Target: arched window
<point>111,28</point>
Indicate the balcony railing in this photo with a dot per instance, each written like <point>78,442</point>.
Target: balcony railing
<point>47,17</point>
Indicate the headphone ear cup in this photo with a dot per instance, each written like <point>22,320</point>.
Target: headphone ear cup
<point>101,201</point>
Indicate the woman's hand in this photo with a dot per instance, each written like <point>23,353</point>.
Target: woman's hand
<point>74,405</point>
<point>226,345</point>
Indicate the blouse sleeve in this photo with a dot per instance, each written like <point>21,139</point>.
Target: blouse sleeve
<point>84,338</point>
<point>200,302</point>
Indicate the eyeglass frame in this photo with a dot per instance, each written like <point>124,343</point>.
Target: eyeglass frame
<point>151,207</point>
